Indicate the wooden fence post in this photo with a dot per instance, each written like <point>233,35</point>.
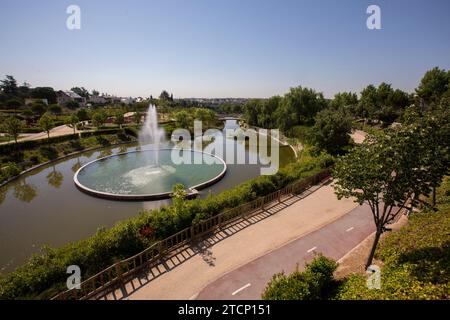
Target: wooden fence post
<point>192,233</point>
<point>119,272</point>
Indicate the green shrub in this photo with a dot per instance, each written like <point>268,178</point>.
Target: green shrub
<point>9,170</point>
<point>315,283</point>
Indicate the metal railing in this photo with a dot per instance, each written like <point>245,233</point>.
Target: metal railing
<point>123,270</point>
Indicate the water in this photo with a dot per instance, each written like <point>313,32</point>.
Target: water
<point>150,133</point>
<point>135,173</point>
<point>45,207</point>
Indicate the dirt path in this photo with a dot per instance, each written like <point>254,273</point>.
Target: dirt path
<point>55,132</point>
<point>184,275</point>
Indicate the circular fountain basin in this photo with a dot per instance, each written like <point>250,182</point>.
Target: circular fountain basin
<point>148,174</point>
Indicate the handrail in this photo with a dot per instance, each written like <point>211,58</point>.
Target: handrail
<point>121,270</point>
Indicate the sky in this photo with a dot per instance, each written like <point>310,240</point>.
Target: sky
<point>222,48</point>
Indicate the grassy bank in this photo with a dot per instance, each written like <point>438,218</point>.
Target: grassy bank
<point>16,158</point>
<point>44,275</point>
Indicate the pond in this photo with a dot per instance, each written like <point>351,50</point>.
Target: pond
<point>44,207</point>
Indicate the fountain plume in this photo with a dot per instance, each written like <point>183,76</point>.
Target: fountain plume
<point>150,133</point>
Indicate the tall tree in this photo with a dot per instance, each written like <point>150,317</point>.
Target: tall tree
<point>433,85</point>
<point>44,93</point>
<point>82,92</point>
<point>384,173</point>
<point>331,130</point>
<point>47,124</point>
<point>99,118</point>
<point>12,126</point>
<point>73,121</point>
<point>8,86</point>
<point>305,103</point>
<point>119,119</point>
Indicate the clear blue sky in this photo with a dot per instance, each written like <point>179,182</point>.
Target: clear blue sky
<point>222,48</point>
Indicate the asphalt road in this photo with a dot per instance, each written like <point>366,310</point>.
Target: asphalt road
<point>333,240</point>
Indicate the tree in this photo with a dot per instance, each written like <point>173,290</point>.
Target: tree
<point>137,117</point>
<point>304,103</point>
<point>347,101</point>
<point>266,116</point>
<point>13,104</point>
<point>72,105</point>
<point>54,109</point>
<point>47,124</point>
<point>119,119</point>
<point>183,119</point>
<point>38,108</point>
<point>433,85</point>
<point>82,92</point>
<point>73,121</point>
<point>178,197</point>
<point>165,96</point>
<point>384,173</point>
<point>331,130</point>
<point>433,133</point>
<point>44,93</point>
<point>251,109</point>
<point>99,118</point>
<point>204,115</point>
<point>82,115</point>
<point>8,86</point>
<point>12,126</point>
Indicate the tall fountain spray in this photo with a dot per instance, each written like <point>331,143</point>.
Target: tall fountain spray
<point>150,132</point>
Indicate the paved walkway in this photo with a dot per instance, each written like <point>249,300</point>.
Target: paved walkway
<point>333,241</point>
<point>190,270</point>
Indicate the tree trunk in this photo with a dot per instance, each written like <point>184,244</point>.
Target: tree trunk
<point>374,247</point>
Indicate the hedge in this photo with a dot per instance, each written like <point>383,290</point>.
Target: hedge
<point>100,132</point>
<point>315,283</point>
<point>29,144</point>
<point>44,274</point>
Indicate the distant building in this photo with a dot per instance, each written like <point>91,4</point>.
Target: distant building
<point>128,100</point>
<point>97,100</point>
<point>63,97</point>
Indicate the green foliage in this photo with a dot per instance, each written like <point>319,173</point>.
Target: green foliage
<point>73,105</point>
<point>416,258</point>
<point>54,109</point>
<point>8,170</point>
<point>119,119</point>
<point>82,114</point>
<point>434,84</point>
<point>331,131</point>
<point>298,106</point>
<point>46,123</point>
<point>44,93</point>
<point>99,118</point>
<point>183,119</point>
<point>382,103</point>
<point>12,126</point>
<point>315,283</point>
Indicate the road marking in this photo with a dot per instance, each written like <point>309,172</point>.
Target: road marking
<point>350,229</point>
<point>312,249</point>
<point>240,289</point>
